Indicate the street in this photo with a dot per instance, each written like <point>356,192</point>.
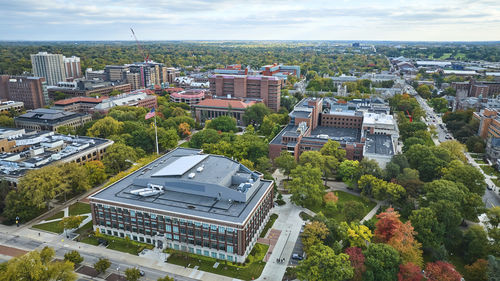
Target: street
<point>490,197</point>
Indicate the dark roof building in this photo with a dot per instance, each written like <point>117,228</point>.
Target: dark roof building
<point>43,119</point>
<point>202,203</point>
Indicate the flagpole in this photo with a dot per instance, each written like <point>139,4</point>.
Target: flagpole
<point>156,136</point>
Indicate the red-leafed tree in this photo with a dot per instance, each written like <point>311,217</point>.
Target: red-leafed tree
<point>401,236</point>
<point>330,197</point>
<point>387,225</point>
<point>357,262</point>
<point>441,271</point>
<point>409,272</point>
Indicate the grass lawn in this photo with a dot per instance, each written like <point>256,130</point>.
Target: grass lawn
<point>305,216</point>
<point>58,215</point>
<point>114,243</point>
<point>50,226</point>
<point>344,197</point>
<point>269,224</point>
<point>86,228</point>
<point>489,170</point>
<point>184,144</point>
<point>79,208</point>
<point>249,271</point>
<point>479,161</point>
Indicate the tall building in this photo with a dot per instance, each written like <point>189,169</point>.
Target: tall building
<point>50,66</point>
<point>267,88</point>
<point>280,70</point>
<point>203,204</point>
<point>32,91</point>
<point>116,72</point>
<point>134,79</point>
<point>72,68</point>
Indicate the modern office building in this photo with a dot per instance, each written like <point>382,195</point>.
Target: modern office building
<point>43,119</point>
<point>234,69</point>
<point>95,74</point>
<point>23,150</point>
<point>49,66</point>
<point>363,128</point>
<point>72,68</point>
<point>31,91</point>
<point>202,204</point>
<point>266,88</point>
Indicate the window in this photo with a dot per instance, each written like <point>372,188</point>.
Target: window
<point>214,255</point>
<point>198,251</point>
<point>214,227</point>
<point>221,229</point>
<point>222,256</point>
<point>205,225</point>
<point>229,258</point>
<point>176,237</point>
<point>168,228</point>
<point>229,250</point>
<point>153,216</point>
<point>206,253</point>
<point>176,229</point>
<point>191,250</point>
<point>169,236</point>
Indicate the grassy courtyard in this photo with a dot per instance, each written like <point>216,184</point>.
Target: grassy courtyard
<point>57,215</point>
<point>343,198</point>
<point>251,270</point>
<point>50,226</point>
<point>114,243</point>
<point>79,208</point>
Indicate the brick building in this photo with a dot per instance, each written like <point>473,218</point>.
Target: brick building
<point>43,119</point>
<point>267,88</point>
<point>32,91</point>
<point>362,127</point>
<point>202,204</point>
<point>212,108</point>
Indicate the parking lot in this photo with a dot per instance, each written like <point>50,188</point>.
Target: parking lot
<point>298,249</point>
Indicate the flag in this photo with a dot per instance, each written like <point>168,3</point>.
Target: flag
<point>150,114</point>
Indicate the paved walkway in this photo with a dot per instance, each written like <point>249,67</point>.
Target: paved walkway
<point>491,198</point>
<point>289,223</point>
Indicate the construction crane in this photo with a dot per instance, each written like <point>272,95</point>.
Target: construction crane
<point>409,115</point>
<point>145,54</point>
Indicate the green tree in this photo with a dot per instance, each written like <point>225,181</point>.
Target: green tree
<point>74,257</point>
<point>332,148</point>
<point>324,265</point>
<point>223,123</point>
<point>37,266</point>
<point>255,114</point>
<point>204,136</point>
<point>71,222</point>
<point>167,139</point>
<point>466,174</point>
<point>314,233</point>
<point>6,121</point>
<point>356,234</point>
<point>119,157</point>
<point>475,244</point>
<point>132,274</point>
<point>286,162</point>
<point>75,179</point>
<point>96,172</point>
<point>382,262</point>
<point>306,186</point>
<point>102,265</point>
<point>347,171</point>
<point>105,127</point>
<point>66,130</point>
<point>429,231</point>
<point>353,210</point>
<point>424,91</point>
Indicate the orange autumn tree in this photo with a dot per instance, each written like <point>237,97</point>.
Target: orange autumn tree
<point>184,129</point>
<point>401,236</point>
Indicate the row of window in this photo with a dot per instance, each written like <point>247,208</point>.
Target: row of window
<point>201,252</point>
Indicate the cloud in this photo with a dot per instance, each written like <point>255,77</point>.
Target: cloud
<point>249,19</point>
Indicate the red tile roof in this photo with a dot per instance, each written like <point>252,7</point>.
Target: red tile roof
<point>80,99</point>
<point>237,104</point>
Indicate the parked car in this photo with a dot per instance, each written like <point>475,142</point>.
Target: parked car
<point>141,272</point>
<point>297,257</point>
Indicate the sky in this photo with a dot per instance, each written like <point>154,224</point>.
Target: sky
<point>394,20</point>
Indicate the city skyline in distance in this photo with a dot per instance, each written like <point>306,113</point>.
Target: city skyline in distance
<point>448,20</point>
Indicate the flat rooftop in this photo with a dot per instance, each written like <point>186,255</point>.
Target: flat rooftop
<point>337,134</point>
<point>379,144</point>
<point>194,184</point>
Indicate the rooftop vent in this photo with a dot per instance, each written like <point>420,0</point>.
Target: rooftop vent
<point>191,175</point>
<point>200,169</point>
